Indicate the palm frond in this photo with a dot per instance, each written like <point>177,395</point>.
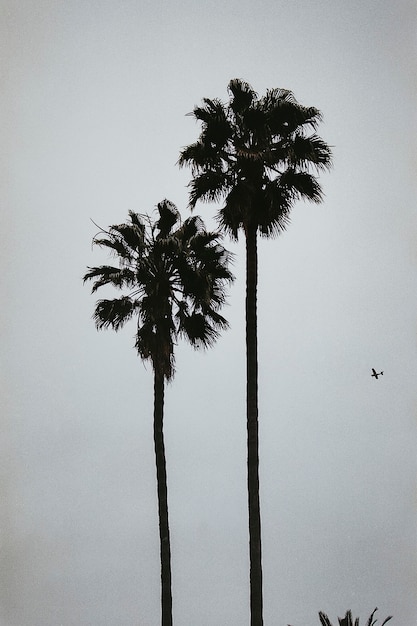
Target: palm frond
<point>212,109</point>
<point>198,330</point>
<point>277,94</point>
<point>285,114</point>
<point>211,254</point>
<point>138,221</point>
<point>130,236</point>
<point>200,155</point>
<point>300,185</point>
<point>217,130</point>
<point>218,321</point>
<point>168,217</point>
<point>115,244</point>
<point>114,313</point>
<point>204,241</point>
<point>371,620</point>
<point>324,619</point>
<point>273,209</point>
<point>212,148</point>
<point>242,95</point>
<point>304,151</point>
<point>190,229</point>
<point>208,186</point>
<point>232,216</point>
<point>347,620</point>
<point>107,274</point>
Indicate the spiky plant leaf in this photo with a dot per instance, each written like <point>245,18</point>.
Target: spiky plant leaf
<point>107,274</point>
<point>207,186</point>
<point>242,95</point>
<point>128,235</point>
<point>116,245</point>
<point>168,217</point>
<point>324,619</point>
<point>347,620</point>
<point>114,313</point>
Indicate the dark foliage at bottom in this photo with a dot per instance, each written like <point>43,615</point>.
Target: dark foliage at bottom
<point>348,620</point>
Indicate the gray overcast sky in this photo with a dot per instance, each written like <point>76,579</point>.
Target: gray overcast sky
<point>94,97</point>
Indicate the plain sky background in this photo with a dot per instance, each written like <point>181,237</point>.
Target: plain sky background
<point>94,99</point>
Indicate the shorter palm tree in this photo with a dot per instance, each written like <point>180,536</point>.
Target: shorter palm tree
<point>349,621</point>
<point>174,275</point>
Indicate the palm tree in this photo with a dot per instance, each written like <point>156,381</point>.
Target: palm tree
<point>255,154</point>
<point>348,620</point>
<point>174,275</point>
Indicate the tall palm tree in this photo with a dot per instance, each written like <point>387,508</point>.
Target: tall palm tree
<point>174,275</point>
<point>256,155</point>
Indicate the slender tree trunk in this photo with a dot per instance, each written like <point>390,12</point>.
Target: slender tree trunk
<point>161,479</point>
<point>255,554</point>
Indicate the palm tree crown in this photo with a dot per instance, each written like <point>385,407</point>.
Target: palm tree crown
<point>256,154</point>
<point>175,276</point>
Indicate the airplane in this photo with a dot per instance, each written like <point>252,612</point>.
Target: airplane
<point>376,374</point>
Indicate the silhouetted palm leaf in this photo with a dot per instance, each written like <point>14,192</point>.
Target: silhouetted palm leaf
<point>168,217</point>
<point>324,619</point>
<point>242,96</point>
<point>300,185</point>
<point>108,275</point>
<point>116,245</point>
<point>114,313</point>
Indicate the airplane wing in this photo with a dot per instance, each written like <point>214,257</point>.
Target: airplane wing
<point>373,372</point>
